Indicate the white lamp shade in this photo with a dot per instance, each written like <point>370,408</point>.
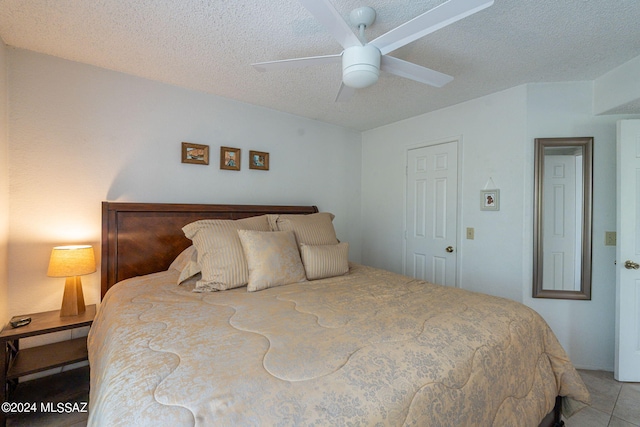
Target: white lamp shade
<point>70,261</point>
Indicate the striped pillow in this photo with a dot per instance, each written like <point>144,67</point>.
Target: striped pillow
<point>220,252</point>
<point>313,229</point>
<point>324,261</point>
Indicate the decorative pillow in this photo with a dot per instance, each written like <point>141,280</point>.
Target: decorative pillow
<point>325,260</point>
<point>189,271</point>
<point>273,259</point>
<point>220,252</point>
<point>313,229</point>
<point>186,263</point>
<point>183,259</point>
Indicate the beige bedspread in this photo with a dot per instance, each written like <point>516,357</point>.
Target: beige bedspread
<point>371,348</point>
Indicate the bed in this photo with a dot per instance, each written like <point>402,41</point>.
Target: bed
<point>363,347</point>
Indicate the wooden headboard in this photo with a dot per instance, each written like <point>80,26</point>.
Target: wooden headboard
<point>144,238</point>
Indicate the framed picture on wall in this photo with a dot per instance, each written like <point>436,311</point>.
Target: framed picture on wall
<point>489,200</point>
<point>230,158</point>
<point>258,160</point>
<point>195,153</point>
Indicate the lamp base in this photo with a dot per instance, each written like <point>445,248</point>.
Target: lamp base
<point>73,299</point>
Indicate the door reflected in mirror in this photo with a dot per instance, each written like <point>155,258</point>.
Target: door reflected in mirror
<point>562,218</point>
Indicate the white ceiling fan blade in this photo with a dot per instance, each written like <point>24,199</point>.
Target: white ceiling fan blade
<point>329,17</point>
<point>345,93</point>
<point>430,21</point>
<point>412,71</point>
<point>298,62</point>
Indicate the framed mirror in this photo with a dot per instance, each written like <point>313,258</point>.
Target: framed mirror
<point>562,218</point>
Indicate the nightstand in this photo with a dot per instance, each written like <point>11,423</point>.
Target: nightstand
<point>16,363</point>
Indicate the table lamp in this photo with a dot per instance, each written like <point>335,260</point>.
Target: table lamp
<point>72,262</point>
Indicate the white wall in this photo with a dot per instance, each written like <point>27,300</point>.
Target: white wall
<point>497,133</point>
<point>80,135</point>
<point>618,90</point>
<point>4,188</point>
<point>585,328</point>
<point>491,130</point>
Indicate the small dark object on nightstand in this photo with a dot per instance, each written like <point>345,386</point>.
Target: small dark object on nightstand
<point>18,321</point>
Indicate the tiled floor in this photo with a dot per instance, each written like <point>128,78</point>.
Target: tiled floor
<point>613,404</point>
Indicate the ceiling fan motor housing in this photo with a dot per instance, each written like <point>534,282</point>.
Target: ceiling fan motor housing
<point>360,66</point>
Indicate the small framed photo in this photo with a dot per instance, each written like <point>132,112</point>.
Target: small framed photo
<point>258,160</point>
<point>230,158</point>
<point>195,153</point>
<point>489,200</point>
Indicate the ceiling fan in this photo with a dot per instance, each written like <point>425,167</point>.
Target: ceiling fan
<point>362,61</point>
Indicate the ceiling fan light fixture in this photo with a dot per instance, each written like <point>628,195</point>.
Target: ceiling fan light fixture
<point>360,66</point>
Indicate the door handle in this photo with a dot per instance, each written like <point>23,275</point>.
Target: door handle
<point>450,249</point>
<point>630,265</point>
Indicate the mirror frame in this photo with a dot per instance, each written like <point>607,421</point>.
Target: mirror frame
<point>585,289</point>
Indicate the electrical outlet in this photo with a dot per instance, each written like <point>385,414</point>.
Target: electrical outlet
<point>470,233</point>
<point>610,238</point>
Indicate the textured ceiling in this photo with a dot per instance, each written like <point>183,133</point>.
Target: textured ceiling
<point>208,45</point>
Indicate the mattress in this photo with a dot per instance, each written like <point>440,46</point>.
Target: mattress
<point>371,348</point>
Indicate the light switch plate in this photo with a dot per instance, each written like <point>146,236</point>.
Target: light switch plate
<point>610,238</point>
<point>470,233</point>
